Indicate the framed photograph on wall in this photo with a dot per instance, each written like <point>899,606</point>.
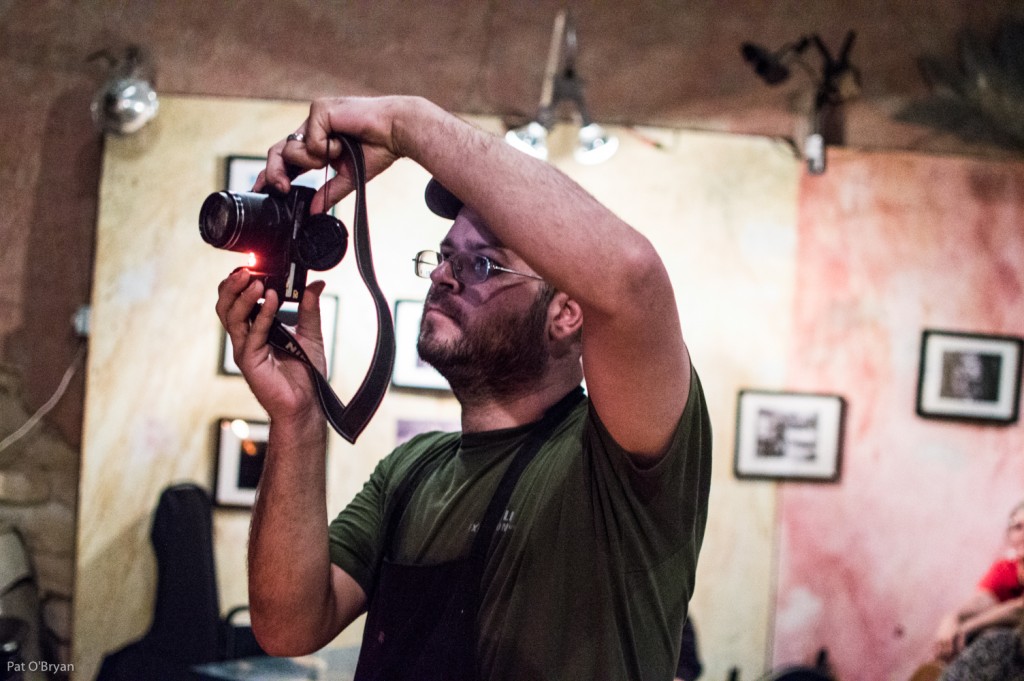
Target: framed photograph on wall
<point>406,429</point>
<point>789,435</point>
<point>410,371</point>
<point>289,316</point>
<point>241,172</point>
<point>241,450</point>
<point>969,377</point>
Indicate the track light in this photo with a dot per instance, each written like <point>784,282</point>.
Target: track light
<point>768,65</point>
<point>837,83</point>
<point>531,139</point>
<point>562,85</point>
<point>594,145</point>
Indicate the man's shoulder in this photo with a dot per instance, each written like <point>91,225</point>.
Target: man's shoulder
<point>424,442</point>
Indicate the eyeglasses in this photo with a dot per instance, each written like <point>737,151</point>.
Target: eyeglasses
<point>467,268</point>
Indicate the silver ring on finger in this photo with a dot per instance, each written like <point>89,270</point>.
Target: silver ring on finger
<point>295,137</point>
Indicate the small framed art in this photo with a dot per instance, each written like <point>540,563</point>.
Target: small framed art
<point>789,435</point>
<point>969,377</point>
<point>411,371</point>
<point>241,451</point>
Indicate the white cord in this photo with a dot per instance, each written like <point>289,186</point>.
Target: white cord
<point>47,406</point>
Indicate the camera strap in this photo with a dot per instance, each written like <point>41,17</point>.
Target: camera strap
<point>350,420</point>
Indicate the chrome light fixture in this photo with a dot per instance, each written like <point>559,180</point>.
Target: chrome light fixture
<point>127,101</point>
<point>531,139</point>
<point>562,84</point>
<point>837,83</point>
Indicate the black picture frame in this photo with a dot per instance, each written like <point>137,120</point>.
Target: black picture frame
<point>971,377</point>
<point>789,435</point>
<point>241,171</point>
<point>241,451</point>
<point>410,371</point>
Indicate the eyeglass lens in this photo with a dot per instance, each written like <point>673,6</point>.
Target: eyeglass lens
<point>466,268</point>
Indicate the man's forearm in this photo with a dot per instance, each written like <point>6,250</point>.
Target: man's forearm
<point>290,595</point>
<point>1005,614</point>
<point>565,234</point>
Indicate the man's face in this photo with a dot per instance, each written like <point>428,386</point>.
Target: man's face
<point>488,338</point>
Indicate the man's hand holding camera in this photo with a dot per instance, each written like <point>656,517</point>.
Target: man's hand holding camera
<point>371,120</point>
<point>280,383</point>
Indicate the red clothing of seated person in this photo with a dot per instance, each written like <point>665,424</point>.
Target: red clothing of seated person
<point>1003,580</point>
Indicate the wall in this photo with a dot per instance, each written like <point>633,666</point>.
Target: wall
<point>720,208</point>
<point>890,245</point>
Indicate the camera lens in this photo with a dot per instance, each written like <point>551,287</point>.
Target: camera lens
<point>242,221</point>
<point>219,219</point>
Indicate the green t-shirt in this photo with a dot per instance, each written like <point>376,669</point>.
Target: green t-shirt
<point>590,572</point>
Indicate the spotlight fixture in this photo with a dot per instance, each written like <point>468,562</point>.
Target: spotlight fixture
<point>127,101</point>
<point>563,85</point>
<point>837,83</point>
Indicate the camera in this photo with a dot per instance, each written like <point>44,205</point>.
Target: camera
<point>278,232</point>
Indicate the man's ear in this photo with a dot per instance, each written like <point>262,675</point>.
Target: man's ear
<point>566,319</point>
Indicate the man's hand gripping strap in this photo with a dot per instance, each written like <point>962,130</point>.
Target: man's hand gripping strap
<point>350,420</point>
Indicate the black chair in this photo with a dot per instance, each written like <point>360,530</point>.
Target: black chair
<point>821,671</point>
<point>187,629</point>
<point>798,674</point>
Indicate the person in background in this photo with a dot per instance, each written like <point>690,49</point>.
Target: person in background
<point>577,564</point>
<point>997,602</point>
<point>995,655</point>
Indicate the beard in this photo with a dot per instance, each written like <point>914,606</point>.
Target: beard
<point>500,357</point>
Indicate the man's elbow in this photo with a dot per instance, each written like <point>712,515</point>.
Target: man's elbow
<point>282,638</point>
<point>641,272</point>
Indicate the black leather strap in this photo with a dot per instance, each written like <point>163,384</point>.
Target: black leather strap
<point>350,420</point>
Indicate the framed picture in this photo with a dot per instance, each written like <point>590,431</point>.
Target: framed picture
<point>241,172</point>
<point>241,450</point>
<point>410,371</point>
<point>289,316</point>
<point>789,435</point>
<point>969,377</point>
<point>406,429</point>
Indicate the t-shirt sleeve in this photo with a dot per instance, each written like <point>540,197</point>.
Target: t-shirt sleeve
<point>355,542</point>
<point>356,535</point>
<point>665,505</point>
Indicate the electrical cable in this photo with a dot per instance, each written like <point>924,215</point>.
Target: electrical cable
<point>48,405</point>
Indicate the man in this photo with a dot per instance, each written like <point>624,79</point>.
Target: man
<point>579,568</point>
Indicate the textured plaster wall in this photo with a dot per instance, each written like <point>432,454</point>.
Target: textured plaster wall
<point>889,245</point>
<point>721,209</point>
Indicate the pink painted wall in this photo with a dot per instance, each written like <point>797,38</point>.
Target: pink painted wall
<point>890,245</point>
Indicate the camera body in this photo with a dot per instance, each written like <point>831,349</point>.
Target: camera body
<point>279,233</point>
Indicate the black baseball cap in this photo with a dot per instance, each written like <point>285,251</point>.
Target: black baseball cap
<point>441,201</point>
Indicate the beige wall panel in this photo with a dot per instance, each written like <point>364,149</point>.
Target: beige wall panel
<point>721,210</point>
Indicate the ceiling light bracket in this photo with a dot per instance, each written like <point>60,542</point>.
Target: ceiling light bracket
<point>562,85</point>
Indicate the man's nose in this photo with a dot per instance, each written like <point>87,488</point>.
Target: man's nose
<point>444,275</point>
